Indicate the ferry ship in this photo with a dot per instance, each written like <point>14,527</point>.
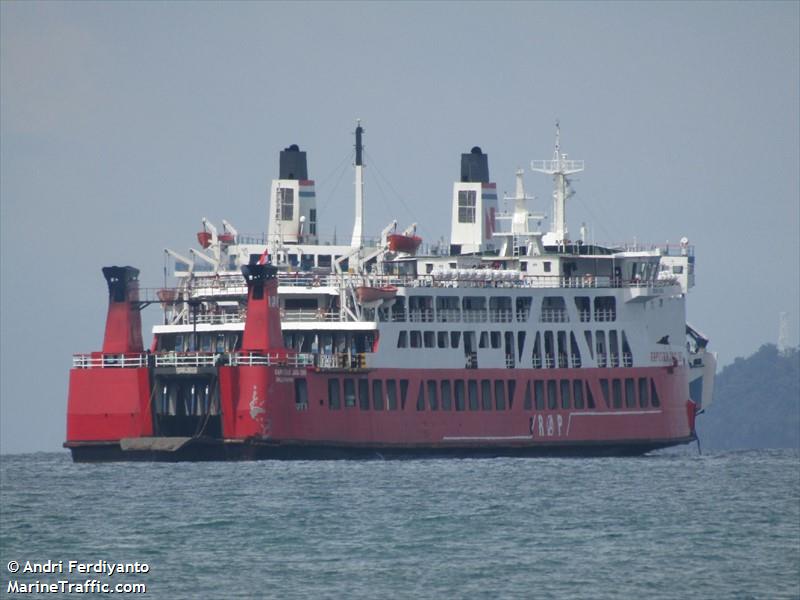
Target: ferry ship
<point>508,341</point>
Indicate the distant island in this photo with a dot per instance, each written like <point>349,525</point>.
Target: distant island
<point>756,403</point>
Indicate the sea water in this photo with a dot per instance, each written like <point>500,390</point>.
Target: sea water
<point>667,525</point>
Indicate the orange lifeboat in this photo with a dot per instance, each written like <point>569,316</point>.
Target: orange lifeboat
<point>399,242</point>
<point>367,294</point>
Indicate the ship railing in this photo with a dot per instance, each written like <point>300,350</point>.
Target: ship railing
<point>613,360</point>
<point>553,315</point>
<point>549,362</point>
<point>562,361</point>
<point>605,314</point>
<point>585,316</point>
<point>627,359</point>
<point>523,316</point>
<point>510,362</point>
<point>185,359</point>
<point>257,359</point>
<point>601,359</point>
<point>537,362</point>
<point>474,316</point>
<point>576,361</point>
<point>109,361</point>
<point>306,315</point>
<point>448,315</point>
<point>500,316</point>
<point>420,316</point>
<point>215,318</point>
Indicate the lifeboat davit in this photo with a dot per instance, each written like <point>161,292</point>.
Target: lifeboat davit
<point>367,294</point>
<point>400,242</point>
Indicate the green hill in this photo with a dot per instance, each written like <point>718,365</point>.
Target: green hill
<point>756,403</point>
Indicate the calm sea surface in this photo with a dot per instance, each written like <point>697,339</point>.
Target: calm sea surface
<point>723,525</point>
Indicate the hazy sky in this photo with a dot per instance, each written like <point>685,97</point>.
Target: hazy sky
<point>123,124</point>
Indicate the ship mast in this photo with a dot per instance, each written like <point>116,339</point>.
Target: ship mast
<point>358,225</point>
<point>559,167</point>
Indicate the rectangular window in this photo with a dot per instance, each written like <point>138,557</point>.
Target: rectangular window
<point>324,260</point>
<point>349,393</point>
<point>377,394</point>
<point>428,339</point>
<point>552,394</point>
<point>312,221</point>
<point>433,398</point>
<point>499,394</point>
<point>577,393</point>
<point>630,392</point>
<point>459,394</point>
<point>391,394</point>
<point>604,389</point>
<point>527,403</point>
<point>483,340</point>
<point>654,394</point>
<point>486,394</point>
<point>285,204</point>
<point>589,395</point>
<point>416,339</point>
<point>565,396</point>
<point>300,392</point>
<point>546,266</point>
<point>616,389</point>
<point>455,339</point>
<point>644,400</point>
<point>363,394</point>
<point>403,393</point>
<point>402,339</point>
<point>512,387</point>
<point>441,339</point>
<point>472,391</point>
<point>447,401</point>
<point>421,397</point>
<point>466,206</point>
<point>334,403</point>
<point>495,337</point>
<point>538,388</point>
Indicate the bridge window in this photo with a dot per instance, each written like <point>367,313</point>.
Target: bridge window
<point>527,403</point>
<point>589,395</point>
<point>416,339</point>
<point>455,339</point>
<point>495,339</point>
<point>403,393</point>
<point>349,393</point>
<point>512,387</point>
<point>421,397</point>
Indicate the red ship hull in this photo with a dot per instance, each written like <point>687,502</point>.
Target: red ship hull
<point>332,419</point>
